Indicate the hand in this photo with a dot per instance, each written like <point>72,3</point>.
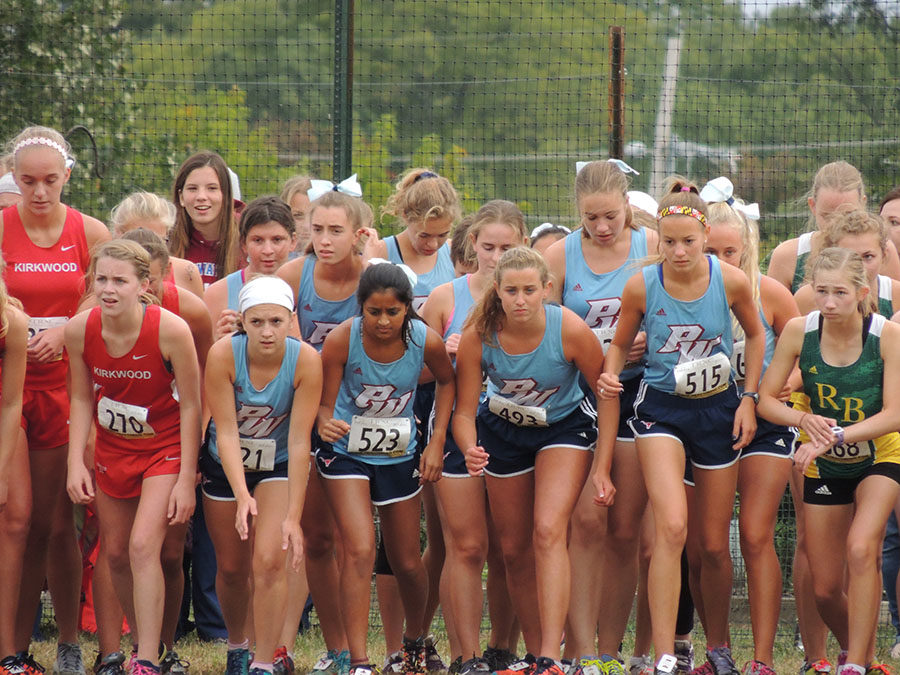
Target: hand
<point>369,237</point>
<point>476,460</point>
<point>292,540</point>
<point>818,429</point>
<point>80,484</point>
<point>744,428</point>
<point>605,490</point>
<point>806,453</point>
<point>452,344</point>
<point>431,463</point>
<point>609,387</point>
<point>227,323</point>
<point>46,345</point>
<point>181,501</point>
<point>638,348</point>
<point>246,507</point>
<point>332,430</point>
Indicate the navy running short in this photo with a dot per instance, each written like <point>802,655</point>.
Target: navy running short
<point>388,483</point>
<point>214,483</point>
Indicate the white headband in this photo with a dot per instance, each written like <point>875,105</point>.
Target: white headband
<point>266,290</point>
<point>412,276</point>
<point>8,185</point>
<point>349,186</point>
<point>622,165</point>
<point>547,226</point>
<point>41,140</point>
<point>643,201</point>
<point>722,190</point>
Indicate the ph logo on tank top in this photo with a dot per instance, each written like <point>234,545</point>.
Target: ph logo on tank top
<point>378,400</point>
<point>603,313</point>
<point>525,392</point>
<point>686,340</point>
<point>254,421</point>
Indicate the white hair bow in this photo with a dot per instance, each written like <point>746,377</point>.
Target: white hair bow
<point>349,186</point>
<point>412,276</point>
<point>623,166</point>
<point>722,190</point>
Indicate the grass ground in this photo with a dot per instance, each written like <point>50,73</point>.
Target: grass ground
<point>208,658</point>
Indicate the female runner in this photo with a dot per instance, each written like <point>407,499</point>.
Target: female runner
<point>889,209</point>
<point>369,452</point>
<point>531,437</point>
<point>14,505</point>
<point>850,452</point>
<point>687,407</point>
<point>46,246</point>
<point>497,227</point>
<point>266,238</point>
<point>325,280</point>
<point>293,193</point>
<point>765,464</point>
<point>835,183</point>
<point>134,374</point>
<point>263,389</point>
<point>152,212</point>
<point>205,230</point>
<point>590,269</point>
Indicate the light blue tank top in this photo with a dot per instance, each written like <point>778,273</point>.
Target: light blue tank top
<point>738,364</point>
<point>441,273</point>
<point>597,298</point>
<point>675,334</point>
<point>234,283</point>
<point>462,305</point>
<point>373,389</point>
<point>317,316</point>
<point>541,378</point>
<point>262,413</point>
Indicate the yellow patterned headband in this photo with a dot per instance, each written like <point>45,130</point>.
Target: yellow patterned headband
<point>681,211</point>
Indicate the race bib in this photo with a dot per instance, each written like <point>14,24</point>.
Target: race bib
<point>702,377</point>
<point>379,435</point>
<point>850,452</point>
<point>737,361</point>
<point>520,415</point>
<point>123,419</point>
<point>38,324</point>
<point>605,335</point>
<point>258,454</point>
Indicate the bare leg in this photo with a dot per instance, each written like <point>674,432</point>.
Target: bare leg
<point>14,527</point>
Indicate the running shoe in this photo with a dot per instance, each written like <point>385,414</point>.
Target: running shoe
<point>455,666</point>
<point>413,656</point>
<point>498,659</point>
<point>523,666</point>
<point>364,669</point>
<point>637,664</point>
<point>842,659</point>
<point>237,661</point>
<point>172,664</point>
<point>684,655</point>
<point>547,666</point>
<point>393,663</point>
<point>343,662</point>
<point>283,663</point>
<point>876,668</point>
<point>327,664</point>
<point>111,664</point>
<point>721,661</point>
<point>142,667</point>
<point>757,668</point>
<point>12,665</point>
<point>474,666</point>
<point>433,663</point>
<point>31,666</point>
<point>68,659</point>
<point>705,669</point>
<point>820,667</point>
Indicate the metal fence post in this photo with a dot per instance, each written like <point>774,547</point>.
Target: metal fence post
<point>342,108</point>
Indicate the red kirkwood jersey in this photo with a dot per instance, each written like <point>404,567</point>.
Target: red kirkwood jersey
<point>136,407</point>
<point>49,282</point>
<point>170,300</point>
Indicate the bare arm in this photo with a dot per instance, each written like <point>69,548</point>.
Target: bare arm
<point>13,380</point>
<point>468,389</point>
<point>438,362</point>
<point>783,263</point>
<point>334,357</point>
<point>79,483</point>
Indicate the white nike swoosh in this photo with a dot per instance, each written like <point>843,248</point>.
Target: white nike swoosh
<point>66,248</point>
<point>137,358</point>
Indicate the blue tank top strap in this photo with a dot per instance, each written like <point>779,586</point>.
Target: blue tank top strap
<point>393,249</point>
<point>462,305</point>
<point>234,282</point>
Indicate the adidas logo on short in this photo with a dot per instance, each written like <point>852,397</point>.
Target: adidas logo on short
<point>823,491</point>
<point>780,443</point>
<point>416,473</point>
<point>582,434</point>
